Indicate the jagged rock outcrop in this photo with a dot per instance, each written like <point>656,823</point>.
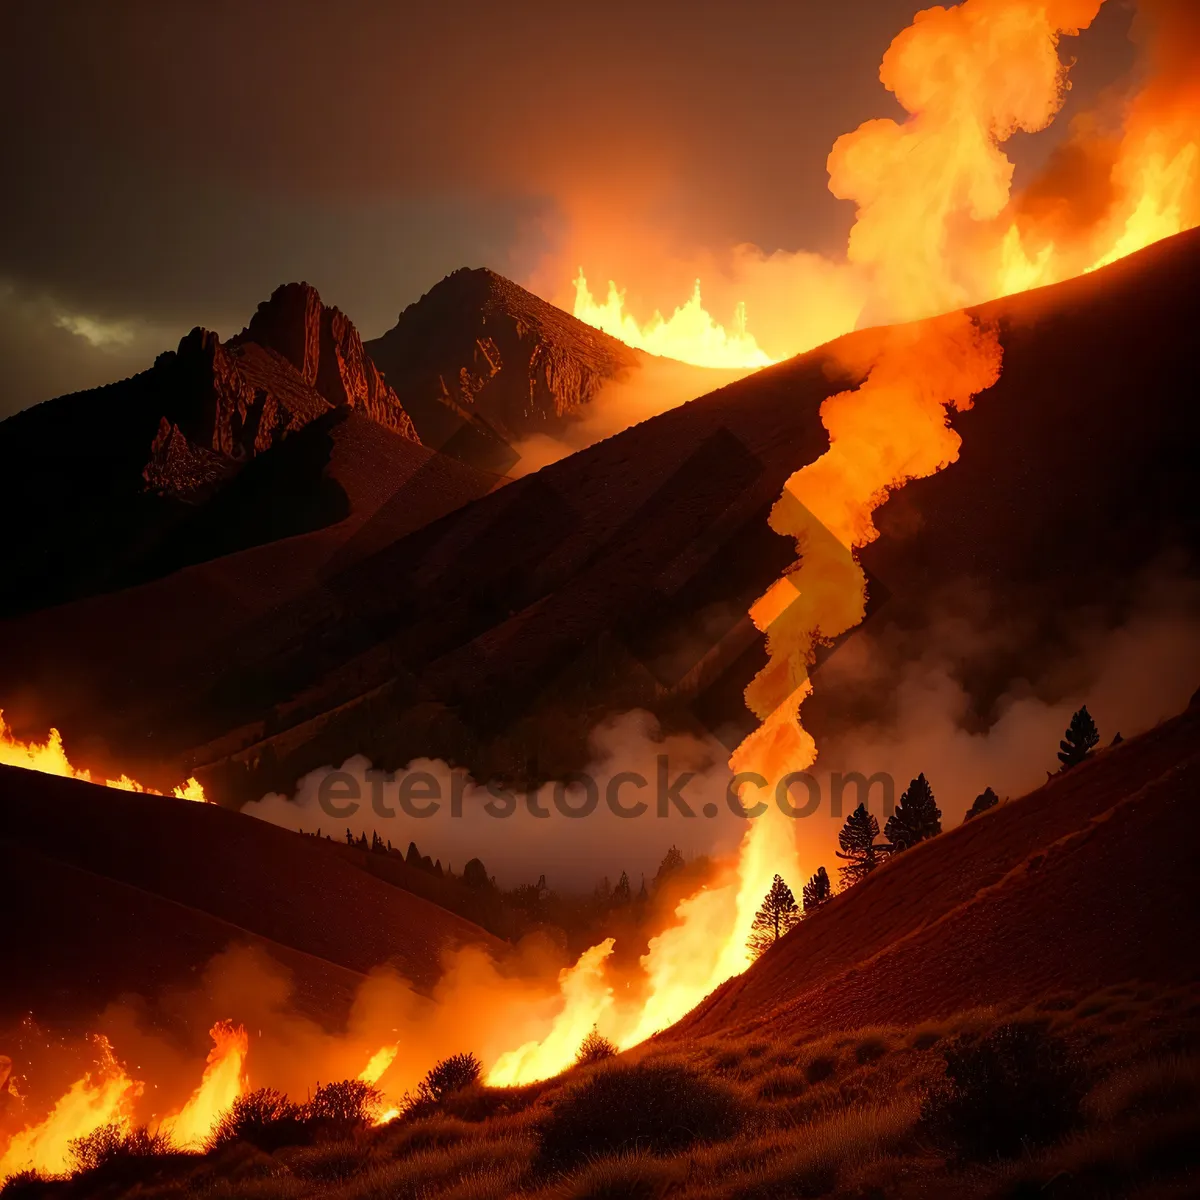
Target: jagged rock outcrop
<point>481,363</point>
<point>324,348</point>
<point>180,469</point>
<point>227,402</point>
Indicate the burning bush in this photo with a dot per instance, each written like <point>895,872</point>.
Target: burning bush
<point>658,1107</point>
<point>594,1048</point>
<point>112,1145</point>
<point>340,1110</point>
<point>264,1118</point>
<point>450,1075</point>
<point>1013,1088</point>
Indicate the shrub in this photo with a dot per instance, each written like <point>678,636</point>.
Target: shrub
<point>820,1068</point>
<point>870,1050</point>
<point>113,1144</point>
<point>594,1048</point>
<point>265,1119</point>
<point>657,1107</point>
<point>1012,1088</point>
<point>25,1185</point>
<point>340,1110</point>
<point>450,1075</point>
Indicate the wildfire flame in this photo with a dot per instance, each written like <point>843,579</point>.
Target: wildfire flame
<point>690,334</point>
<point>937,227</point>
<point>969,76</point>
<point>223,1082</point>
<point>50,758</point>
<point>383,1058</point>
<point>103,1097</point>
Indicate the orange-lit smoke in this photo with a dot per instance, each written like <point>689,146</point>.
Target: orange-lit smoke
<point>50,758</point>
<point>937,226</point>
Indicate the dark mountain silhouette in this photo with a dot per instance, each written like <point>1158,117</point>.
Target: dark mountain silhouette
<point>481,363</point>
<point>497,635</point>
<point>110,481</point>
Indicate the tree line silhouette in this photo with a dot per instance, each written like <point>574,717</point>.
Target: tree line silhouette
<point>916,819</point>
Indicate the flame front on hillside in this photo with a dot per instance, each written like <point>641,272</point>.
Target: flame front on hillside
<point>50,758</point>
<point>937,226</point>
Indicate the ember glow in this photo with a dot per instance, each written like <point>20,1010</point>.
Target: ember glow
<point>50,758</point>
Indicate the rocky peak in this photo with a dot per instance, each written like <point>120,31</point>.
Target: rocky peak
<point>482,363</point>
<point>325,350</point>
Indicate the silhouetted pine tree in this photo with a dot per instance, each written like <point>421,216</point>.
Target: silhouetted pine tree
<point>817,891</point>
<point>622,893</point>
<point>1081,738</point>
<point>672,862</point>
<point>858,849</point>
<point>475,874</point>
<point>985,800</point>
<point>349,837</point>
<point>917,817</point>
<point>778,914</point>
<point>413,857</point>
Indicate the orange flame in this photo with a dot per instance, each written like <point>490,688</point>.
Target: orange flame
<point>103,1098</point>
<point>970,76</point>
<point>937,227</point>
<point>690,334</point>
<point>379,1063</point>
<point>50,758</point>
<point>223,1082</point>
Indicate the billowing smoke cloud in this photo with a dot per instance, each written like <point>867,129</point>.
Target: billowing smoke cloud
<point>924,715</point>
<point>520,835</point>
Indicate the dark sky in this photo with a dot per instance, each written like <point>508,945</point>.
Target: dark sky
<point>168,163</point>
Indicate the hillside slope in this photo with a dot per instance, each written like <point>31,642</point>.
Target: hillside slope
<point>148,887</point>
<point>621,576</point>
<point>111,482</point>
<point>1085,882</point>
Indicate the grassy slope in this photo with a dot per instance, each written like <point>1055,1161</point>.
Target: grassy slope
<point>1082,883</point>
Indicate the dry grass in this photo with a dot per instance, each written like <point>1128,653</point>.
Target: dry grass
<point>835,1116</point>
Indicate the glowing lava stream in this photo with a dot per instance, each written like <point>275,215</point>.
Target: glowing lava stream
<point>50,758</point>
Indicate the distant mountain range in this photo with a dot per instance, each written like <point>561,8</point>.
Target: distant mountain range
<point>200,455</point>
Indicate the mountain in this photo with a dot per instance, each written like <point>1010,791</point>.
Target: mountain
<point>111,479</point>
<point>1082,884</point>
<point>498,635</point>
<point>482,364</point>
<point>621,576</point>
